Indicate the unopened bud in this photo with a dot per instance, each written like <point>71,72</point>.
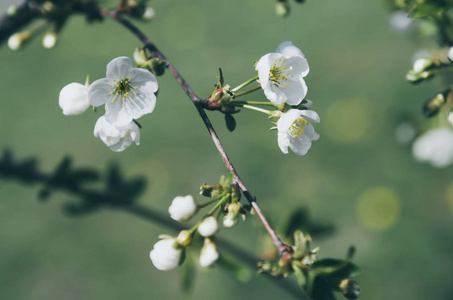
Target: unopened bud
<point>422,64</point>
<point>209,254</point>
<point>282,8</point>
<point>140,56</point>
<point>12,11</point>
<point>149,13</point>
<point>16,40</point>
<point>232,217</point>
<point>350,288</point>
<point>50,39</point>
<point>184,238</point>
<point>156,65</point>
<point>433,106</point>
<point>208,226</point>
<point>206,190</point>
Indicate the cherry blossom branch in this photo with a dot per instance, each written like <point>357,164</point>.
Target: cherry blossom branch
<point>284,250</point>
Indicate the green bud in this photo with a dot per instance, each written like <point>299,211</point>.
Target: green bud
<point>12,11</point>
<point>282,8</point>
<point>433,106</point>
<point>235,193</point>
<point>415,77</point>
<point>206,190</point>
<point>155,65</point>
<point>350,288</point>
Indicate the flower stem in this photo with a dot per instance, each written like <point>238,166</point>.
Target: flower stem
<point>240,103</point>
<point>247,91</point>
<point>245,84</point>
<point>211,201</point>
<point>265,111</point>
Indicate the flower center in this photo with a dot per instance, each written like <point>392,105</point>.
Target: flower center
<point>296,129</point>
<point>124,89</point>
<point>278,73</point>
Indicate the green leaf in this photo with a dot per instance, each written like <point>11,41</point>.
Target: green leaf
<point>230,122</point>
<point>301,280</point>
<point>334,269</point>
<point>221,80</point>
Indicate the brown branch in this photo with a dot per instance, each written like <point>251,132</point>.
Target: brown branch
<point>284,250</point>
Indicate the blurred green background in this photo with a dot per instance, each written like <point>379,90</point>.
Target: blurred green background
<point>397,212</point>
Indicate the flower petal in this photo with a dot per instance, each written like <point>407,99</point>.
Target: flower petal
<point>118,67</point>
<point>98,92</point>
<point>287,49</point>
<point>295,91</point>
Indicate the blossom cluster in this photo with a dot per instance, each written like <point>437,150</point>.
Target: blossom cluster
<point>168,253</point>
<point>126,92</point>
<point>281,75</point>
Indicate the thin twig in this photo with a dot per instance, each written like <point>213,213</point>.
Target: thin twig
<point>284,250</point>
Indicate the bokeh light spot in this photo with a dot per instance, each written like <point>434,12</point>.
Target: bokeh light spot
<point>347,120</point>
<point>378,208</point>
<point>185,26</point>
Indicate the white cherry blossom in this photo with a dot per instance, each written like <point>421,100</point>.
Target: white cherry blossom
<point>296,132</point>
<point>281,74</point>
<point>117,138</point>
<point>127,92</point>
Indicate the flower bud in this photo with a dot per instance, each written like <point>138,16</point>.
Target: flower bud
<point>350,288</point>
<point>11,11</point>
<point>232,217</point>
<point>149,13</point>
<point>50,39</point>
<point>208,226</point>
<point>209,254</point>
<point>73,99</point>
<point>156,65</point>
<point>184,238</point>
<point>422,64</point>
<point>165,255</point>
<point>183,208</point>
<point>16,40</point>
<point>282,8</point>
<point>140,56</point>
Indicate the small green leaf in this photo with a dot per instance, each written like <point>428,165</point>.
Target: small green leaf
<point>230,122</point>
<point>300,276</point>
<point>221,80</point>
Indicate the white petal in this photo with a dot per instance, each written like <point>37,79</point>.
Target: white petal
<point>143,79</point>
<point>287,49</point>
<point>295,91</point>
<point>300,145</point>
<point>116,114</point>
<point>118,67</point>
<point>296,65</point>
<point>310,115</point>
<point>98,93</point>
